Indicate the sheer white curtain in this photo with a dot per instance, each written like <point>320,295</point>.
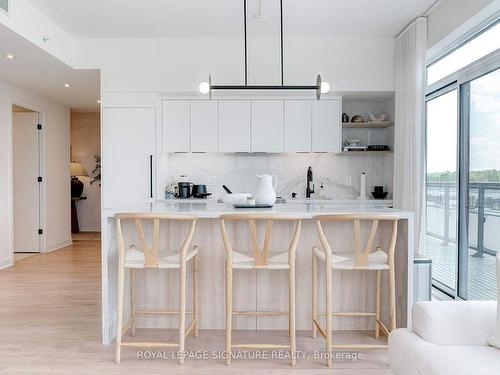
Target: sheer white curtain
<point>409,137</point>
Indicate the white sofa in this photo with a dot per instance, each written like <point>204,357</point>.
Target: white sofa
<point>448,337</point>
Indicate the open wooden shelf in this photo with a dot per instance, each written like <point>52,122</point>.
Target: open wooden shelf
<point>367,125</point>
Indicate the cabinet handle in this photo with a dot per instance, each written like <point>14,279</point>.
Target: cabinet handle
<point>151,176</point>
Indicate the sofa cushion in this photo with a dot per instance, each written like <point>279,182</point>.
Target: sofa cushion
<point>409,354</point>
<point>495,339</point>
<point>455,322</point>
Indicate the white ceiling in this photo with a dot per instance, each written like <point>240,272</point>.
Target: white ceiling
<point>35,70</point>
<point>164,18</point>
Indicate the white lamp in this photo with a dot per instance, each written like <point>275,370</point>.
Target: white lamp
<point>325,87</point>
<point>204,87</point>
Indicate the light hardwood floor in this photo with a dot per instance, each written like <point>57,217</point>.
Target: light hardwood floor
<point>50,321</point>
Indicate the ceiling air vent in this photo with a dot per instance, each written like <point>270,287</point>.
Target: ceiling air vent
<point>4,6</point>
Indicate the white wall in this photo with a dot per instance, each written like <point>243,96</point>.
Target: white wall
<point>180,64</point>
<point>450,14</point>
<point>85,143</point>
<point>33,25</point>
<point>56,163</point>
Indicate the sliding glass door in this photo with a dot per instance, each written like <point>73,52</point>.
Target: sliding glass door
<point>442,186</point>
<point>463,165</point>
<point>481,107</point>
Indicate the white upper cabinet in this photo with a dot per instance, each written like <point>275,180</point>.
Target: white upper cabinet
<point>234,125</point>
<point>326,126</point>
<point>176,125</point>
<point>238,125</point>
<point>267,126</point>
<point>204,126</point>
<point>128,155</point>
<point>298,120</point>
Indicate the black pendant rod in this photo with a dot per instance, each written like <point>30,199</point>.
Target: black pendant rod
<point>261,87</point>
<point>317,87</point>
<point>245,33</point>
<point>281,39</point>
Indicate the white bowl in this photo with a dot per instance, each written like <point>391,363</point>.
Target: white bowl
<point>236,198</point>
<point>353,142</point>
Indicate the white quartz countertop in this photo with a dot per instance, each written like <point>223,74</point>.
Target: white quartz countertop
<point>213,210</point>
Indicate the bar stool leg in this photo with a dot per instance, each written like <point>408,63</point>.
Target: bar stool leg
<point>119,309</point>
<point>133,297</point>
<point>392,298</point>
<point>229,310</point>
<point>377,306</point>
<point>328,316</point>
<point>196,305</point>
<point>182,312</point>
<point>291,313</point>
<point>314,294</point>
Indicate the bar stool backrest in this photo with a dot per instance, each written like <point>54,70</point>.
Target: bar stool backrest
<point>361,252</point>
<point>260,254</point>
<point>150,248</point>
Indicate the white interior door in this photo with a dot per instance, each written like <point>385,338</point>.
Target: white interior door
<point>26,186</point>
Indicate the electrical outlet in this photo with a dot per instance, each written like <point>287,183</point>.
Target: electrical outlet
<point>211,180</point>
<point>348,180</point>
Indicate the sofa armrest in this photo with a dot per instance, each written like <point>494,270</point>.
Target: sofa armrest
<point>455,322</point>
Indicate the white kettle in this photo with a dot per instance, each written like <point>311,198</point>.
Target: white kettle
<point>265,193</point>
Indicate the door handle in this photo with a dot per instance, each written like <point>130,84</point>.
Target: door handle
<point>151,176</point>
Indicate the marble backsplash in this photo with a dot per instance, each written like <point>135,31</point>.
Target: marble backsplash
<point>339,174</point>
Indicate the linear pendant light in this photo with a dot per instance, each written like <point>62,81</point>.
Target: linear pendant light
<point>320,87</point>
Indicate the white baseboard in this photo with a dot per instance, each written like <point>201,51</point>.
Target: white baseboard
<point>58,245</point>
<point>7,262</point>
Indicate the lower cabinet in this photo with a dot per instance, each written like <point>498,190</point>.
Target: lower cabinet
<point>128,158</point>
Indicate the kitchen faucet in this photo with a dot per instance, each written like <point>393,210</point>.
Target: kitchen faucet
<point>310,183</point>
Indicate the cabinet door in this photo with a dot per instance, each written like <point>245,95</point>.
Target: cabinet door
<point>128,149</point>
<point>234,125</point>
<point>176,125</point>
<point>298,119</point>
<point>204,129</point>
<point>267,126</point>
<point>326,126</point>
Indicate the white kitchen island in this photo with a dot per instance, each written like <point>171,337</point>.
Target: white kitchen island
<point>261,289</point>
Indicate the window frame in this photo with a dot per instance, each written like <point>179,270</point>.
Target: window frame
<point>460,80</point>
<point>434,95</point>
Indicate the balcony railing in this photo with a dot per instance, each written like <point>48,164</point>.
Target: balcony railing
<point>484,214</point>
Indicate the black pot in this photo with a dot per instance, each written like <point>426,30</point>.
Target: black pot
<point>200,191</point>
<point>185,190</point>
<point>76,187</point>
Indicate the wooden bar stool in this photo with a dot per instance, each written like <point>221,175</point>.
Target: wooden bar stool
<point>362,259</point>
<point>260,259</point>
<point>150,256</point>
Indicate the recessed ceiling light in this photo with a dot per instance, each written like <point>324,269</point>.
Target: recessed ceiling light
<point>66,85</point>
<point>10,56</point>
